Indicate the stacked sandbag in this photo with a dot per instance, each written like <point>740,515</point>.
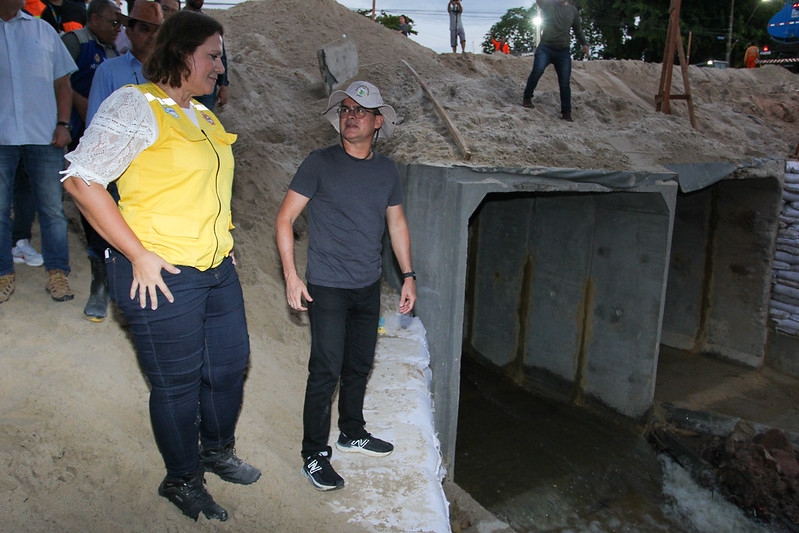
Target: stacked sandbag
<point>784,308</point>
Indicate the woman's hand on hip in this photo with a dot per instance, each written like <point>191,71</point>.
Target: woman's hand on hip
<point>147,277</point>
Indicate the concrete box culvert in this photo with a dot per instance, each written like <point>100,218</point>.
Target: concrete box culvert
<point>721,263</point>
<point>559,276</point>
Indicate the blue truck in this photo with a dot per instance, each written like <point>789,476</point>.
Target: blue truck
<point>783,28</point>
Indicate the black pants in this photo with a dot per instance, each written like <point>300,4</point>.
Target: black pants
<point>95,244</point>
<point>343,337</point>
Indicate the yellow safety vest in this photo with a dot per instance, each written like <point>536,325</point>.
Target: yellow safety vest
<point>175,195</point>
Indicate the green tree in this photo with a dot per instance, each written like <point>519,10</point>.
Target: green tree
<point>516,27</point>
<point>391,22</point>
<point>636,29</point>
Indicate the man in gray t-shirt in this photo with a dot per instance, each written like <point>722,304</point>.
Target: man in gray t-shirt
<point>352,194</point>
<point>560,18</point>
<point>455,10</point>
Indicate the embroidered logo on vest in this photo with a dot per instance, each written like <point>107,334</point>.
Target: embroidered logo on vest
<point>171,111</point>
<point>208,119</point>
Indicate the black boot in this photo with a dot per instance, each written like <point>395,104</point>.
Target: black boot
<point>189,495</point>
<point>224,463</point>
<point>97,304</point>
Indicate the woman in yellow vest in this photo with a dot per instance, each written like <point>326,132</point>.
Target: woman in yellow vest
<point>171,268</point>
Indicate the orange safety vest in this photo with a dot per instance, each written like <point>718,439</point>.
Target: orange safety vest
<point>71,26</point>
<point>751,55</point>
<point>34,7</point>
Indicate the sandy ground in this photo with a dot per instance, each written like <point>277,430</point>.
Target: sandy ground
<point>76,450</point>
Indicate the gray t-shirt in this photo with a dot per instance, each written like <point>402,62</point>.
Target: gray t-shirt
<point>346,215</point>
<point>559,20</point>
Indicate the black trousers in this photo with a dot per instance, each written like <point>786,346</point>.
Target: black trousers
<point>343,337</point>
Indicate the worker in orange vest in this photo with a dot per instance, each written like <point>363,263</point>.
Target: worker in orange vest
<point>501,45</point>
<point>751,56</point>
<point>34,7</point>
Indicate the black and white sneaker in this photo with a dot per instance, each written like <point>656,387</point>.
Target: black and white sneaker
<point>318,470</point>
<point>367,444</point>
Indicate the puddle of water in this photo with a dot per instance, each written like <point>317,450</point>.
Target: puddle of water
<point>544,466</point>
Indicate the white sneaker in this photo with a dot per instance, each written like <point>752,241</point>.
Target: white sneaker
<point>23,252</point>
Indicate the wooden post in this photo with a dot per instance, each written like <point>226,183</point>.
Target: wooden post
<point>453,130</point>
<point>674,43</point>
<point>373,9</point>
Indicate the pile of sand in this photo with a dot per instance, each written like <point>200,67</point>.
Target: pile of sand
<point>76,448</point>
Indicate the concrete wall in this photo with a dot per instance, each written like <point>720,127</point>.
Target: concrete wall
<point>571,286</point>
<point>593,249</point>
<point>720,273</point>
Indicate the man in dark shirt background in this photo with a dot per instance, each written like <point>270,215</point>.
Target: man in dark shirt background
<point>560,17</point>
<point>64,15</point>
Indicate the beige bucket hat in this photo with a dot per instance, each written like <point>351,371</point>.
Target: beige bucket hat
<point>366,95</point>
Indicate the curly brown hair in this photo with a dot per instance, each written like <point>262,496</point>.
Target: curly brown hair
<point>178,38</point>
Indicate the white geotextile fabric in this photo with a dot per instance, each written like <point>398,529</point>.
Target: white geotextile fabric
<point>789,212</point>
<point>787,291</point>
<point>787,258</point>
<point>784,305</point>
<point>124,126</point>
<point>785,302</point>
<point>787,325</point>
<point>397,407</point>
<point>784,274</point>
<point>792,249</point>
<point>782,309</point>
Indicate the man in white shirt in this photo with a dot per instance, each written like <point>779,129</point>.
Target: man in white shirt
<point>35,68</point>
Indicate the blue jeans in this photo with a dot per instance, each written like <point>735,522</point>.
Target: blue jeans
<point>194,352</point>
<point>24,208</point>
<point>562,61</point>
<point>42,163</point>
<point>343,338</point>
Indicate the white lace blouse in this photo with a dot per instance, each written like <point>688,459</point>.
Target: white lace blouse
<point>124,126</point>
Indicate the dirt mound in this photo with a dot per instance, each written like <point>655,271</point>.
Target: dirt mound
<point>741,113</point>
<point>760,475</point>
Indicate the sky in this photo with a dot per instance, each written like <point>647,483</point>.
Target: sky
<point>430,18</point>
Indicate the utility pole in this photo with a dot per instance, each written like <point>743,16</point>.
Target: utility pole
<point>373,14</point>
<point>729,33</point>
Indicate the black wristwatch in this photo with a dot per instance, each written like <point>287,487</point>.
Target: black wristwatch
<point>67,125</point>
<point>410,274</point>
